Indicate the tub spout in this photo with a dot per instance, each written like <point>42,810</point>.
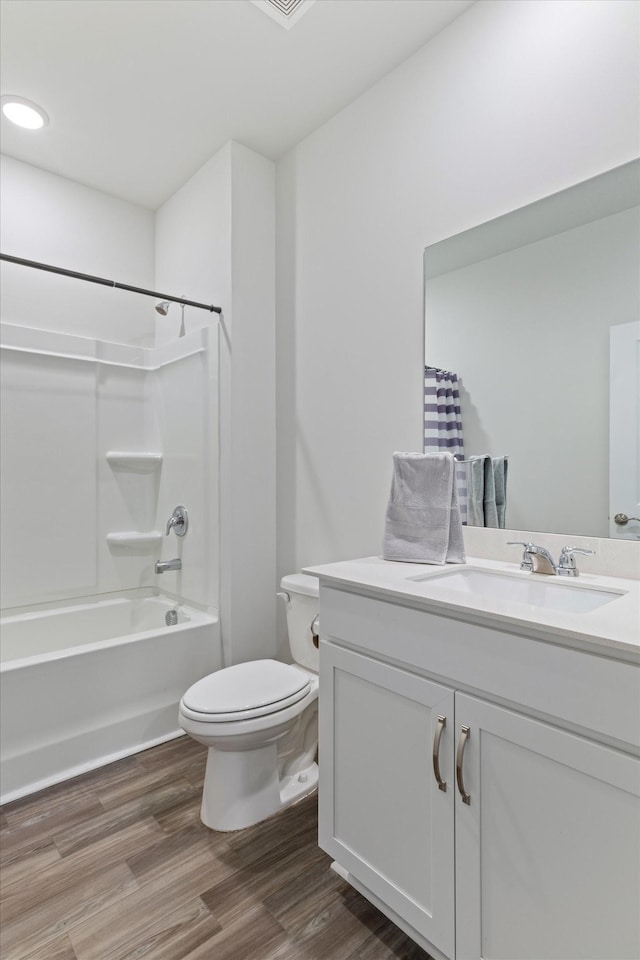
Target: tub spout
<point>162,566</point>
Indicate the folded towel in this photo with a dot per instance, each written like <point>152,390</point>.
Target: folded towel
<point>475,491</point>
<point>461,486</point>
<point>500,467</point>
<point>422,523</point>
<point>489,495</point>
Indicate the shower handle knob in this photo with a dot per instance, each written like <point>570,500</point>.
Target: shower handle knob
<point>178,522</point>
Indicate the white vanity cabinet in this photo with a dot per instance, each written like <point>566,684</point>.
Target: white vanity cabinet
<point>543,861</point>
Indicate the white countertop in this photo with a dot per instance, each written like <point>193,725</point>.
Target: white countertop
<point>612,629</point>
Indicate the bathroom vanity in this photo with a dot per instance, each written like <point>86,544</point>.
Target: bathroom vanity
<point>480,755</point>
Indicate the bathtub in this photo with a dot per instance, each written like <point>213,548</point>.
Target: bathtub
<point>87,683</point>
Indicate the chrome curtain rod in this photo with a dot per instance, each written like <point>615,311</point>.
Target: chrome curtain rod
<point>108,283</point>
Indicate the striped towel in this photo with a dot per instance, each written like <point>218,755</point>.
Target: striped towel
<point>443,424</point>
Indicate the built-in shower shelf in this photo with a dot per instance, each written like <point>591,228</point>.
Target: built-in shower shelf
<point>134,462</point>
<point>134,538</point>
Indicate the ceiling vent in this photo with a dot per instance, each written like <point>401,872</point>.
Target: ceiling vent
<point>285,12</point>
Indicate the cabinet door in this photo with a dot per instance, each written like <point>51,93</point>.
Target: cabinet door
<point>548,848</point>
<point>383,816</point>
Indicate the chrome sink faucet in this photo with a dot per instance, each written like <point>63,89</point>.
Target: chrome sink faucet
<point>541,560</point>
<point>537,559</point>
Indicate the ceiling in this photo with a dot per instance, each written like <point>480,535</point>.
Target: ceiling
<point>140,93</point>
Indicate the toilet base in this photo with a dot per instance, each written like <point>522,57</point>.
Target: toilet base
<point>242,788</point>
<point>298,785</point>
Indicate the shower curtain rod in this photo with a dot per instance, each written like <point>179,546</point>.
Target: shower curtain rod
<point>108,283</point>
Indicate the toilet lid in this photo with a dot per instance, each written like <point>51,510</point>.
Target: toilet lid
<point>247,690</point>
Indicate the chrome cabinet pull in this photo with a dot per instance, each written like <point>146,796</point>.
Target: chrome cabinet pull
<point>465,735</point>
<point>441,724</point>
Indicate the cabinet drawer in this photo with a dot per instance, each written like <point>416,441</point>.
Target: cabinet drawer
<point>571,686</point>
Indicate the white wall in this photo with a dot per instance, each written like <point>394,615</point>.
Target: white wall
<point>248,415</point>
<point>216,238</point>
<point>193,243</point>
<point>59,222</point>
<point>512,102</point>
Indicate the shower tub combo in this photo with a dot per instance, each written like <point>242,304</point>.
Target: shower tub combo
<point>84,684</point>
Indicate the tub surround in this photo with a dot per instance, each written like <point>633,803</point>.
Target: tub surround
<point>480,778</point>
<point>95,431</point>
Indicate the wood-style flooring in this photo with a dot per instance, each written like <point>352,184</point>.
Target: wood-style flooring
<point>116,864</point>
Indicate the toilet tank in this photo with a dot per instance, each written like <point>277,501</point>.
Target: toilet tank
<point>302,608</point>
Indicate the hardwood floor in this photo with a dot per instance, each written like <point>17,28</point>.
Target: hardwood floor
<point>116,864</point>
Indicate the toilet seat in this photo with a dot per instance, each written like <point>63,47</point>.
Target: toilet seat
<point>245,691</point>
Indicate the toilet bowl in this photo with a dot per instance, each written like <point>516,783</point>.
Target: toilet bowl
<point>259,721</point>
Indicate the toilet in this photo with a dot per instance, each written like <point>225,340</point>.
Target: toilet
<point>260,722</point>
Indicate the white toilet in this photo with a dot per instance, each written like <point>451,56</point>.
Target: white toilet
<point>260,722</point>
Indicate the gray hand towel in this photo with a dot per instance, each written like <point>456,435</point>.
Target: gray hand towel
<point>475,491</point>
<point>422,523</point>
<point>489,495</point>
<point>500,466</point>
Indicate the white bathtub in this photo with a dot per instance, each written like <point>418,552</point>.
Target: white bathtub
<point>85,684</point>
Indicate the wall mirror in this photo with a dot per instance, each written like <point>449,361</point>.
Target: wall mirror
<point>538,314</point>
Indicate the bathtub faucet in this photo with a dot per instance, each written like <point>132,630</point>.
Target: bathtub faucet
<point>162,566</point>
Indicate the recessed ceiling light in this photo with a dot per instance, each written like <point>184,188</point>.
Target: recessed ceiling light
<point>24,113</point>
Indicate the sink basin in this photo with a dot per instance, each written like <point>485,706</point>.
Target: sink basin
<point>551,593</point>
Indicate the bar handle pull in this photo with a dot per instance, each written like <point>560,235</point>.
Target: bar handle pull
<point>440,725</point>
<point>465,734</point>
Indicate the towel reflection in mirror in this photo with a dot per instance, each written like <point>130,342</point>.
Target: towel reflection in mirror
<point>486,490</point>
<point>481,481</point>
<point>443,423</point>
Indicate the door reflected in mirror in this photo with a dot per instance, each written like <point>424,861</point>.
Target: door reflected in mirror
<point>530,310</point>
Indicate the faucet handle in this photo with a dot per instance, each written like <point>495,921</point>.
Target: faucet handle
<point>567,563</point>
<point>178,521</point>
<point>526,563</point>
